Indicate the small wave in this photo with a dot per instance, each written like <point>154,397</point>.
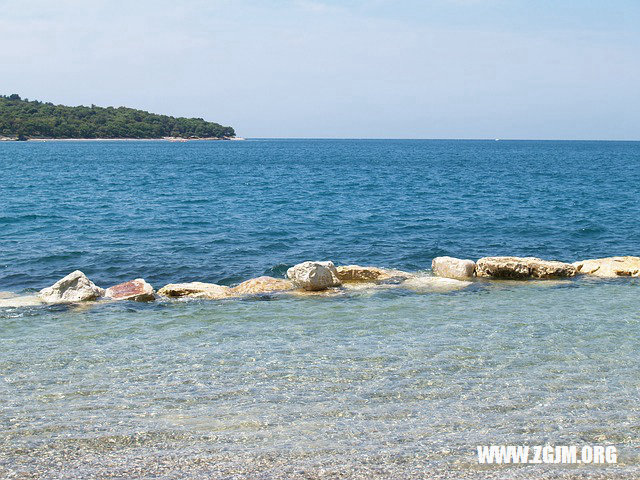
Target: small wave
<point>278,270</point>
<point>8,220</point>
<point>61,256</point>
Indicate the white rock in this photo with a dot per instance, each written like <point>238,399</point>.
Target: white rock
<point>450,267</point>
<point>75,287</point>
<point>314,276</point>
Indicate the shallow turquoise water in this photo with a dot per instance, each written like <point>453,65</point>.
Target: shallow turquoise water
<point>385,384</point>
<point>392,382</point>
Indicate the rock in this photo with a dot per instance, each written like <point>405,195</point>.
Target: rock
<point>137,290</point>
<point>14,301</point>
<point>75,287</point>
<point>428,284</point>
<point>209,291</point>
<point>522,268</point>
<point>356,273</point>
<point>314,275</point>
<point>610,267</point>
<point>450,267</point>
<point>262,285</point>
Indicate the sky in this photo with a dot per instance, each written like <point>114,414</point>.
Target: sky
<point>524,69</point>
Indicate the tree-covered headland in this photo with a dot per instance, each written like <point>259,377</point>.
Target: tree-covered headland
<point>24,119</point>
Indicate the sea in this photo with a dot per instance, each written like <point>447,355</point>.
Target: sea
<point>386,383</point>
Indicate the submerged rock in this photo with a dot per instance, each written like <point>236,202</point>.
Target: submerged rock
<point>451,267</point>
<point>427,284</point>
<point>610,267</point>
<point>209,291</point>
<point>137,290</point>
<point>262,285</point>
<point>75,287</point>
<point>12,301</point>
<point>522,268</point>
<point>314,275</point>
<point>356,273</point>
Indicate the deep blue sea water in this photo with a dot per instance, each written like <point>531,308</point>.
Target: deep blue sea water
<point>374,384</point>
<point>226,211</point>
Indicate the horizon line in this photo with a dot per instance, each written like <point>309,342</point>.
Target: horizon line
<point>453,139</point>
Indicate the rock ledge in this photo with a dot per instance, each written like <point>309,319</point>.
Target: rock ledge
<point>520,268</point>
<point>610,267</point>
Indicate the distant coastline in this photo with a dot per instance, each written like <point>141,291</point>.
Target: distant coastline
<point>165,139</point>
<point>24,119</point>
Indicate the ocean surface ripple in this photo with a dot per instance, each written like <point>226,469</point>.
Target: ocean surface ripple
<point>226,211</point>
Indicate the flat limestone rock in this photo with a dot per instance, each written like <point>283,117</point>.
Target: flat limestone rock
<point>521,268</point>
<point>356,273</point>
<point>137,290</point>
<point>314,275</point>
<point>610,267</point>
<point>259,285</point>
<point>428,284</point>
<point>209,291</point>
<point>15,301</point>
<point>450,267</point>
<point>75,287</point>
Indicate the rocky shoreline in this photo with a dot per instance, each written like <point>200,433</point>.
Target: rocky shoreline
<point>324,278</point>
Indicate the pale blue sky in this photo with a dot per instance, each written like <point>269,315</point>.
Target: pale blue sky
<point>321,68</point>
